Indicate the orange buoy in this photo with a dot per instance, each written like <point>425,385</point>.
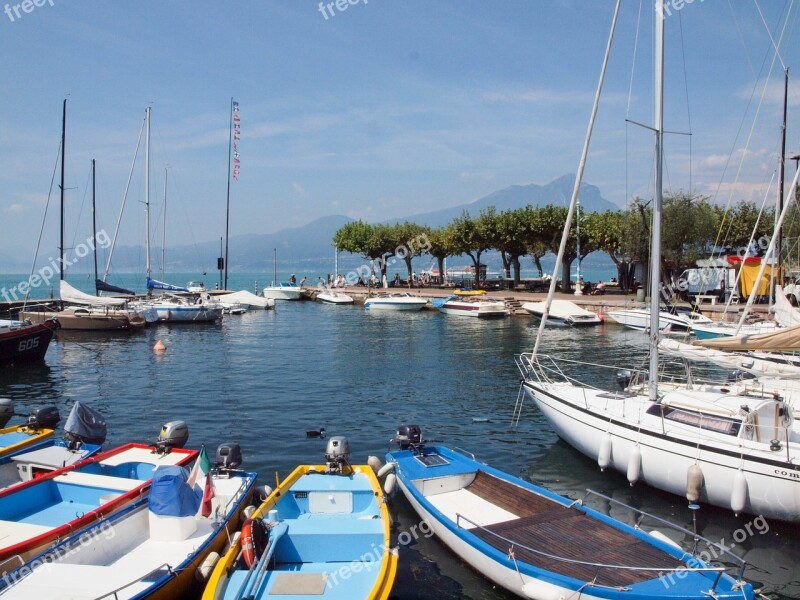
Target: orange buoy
<point>159,348</point>
<point>254,540</point>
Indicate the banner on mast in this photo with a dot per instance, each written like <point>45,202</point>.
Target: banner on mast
<point>236,135</point>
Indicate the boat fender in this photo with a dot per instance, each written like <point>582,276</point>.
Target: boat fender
<point>254,540</point>
<point>739,492</point>
<point>248,512</point>
<point>538,591</point>
<point>634,465</point>
<point>667,540</point>
<point>375,463</point>
<point>387,468</point>
<point>203,572</point>
<point>265,493</point>
<point>604,456</point>
<point>388,485</point>
<point>694,483</point>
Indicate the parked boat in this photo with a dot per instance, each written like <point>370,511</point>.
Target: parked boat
<point>324,532</point>
<point>481,307</point>
<point>25,341</point>
<point>329,295</point>
<point>537,544</point>
<point>161,546</point>
<point>668,322</point>
<point>51,507</point>
<point>84,434</point>
<point>283,291</point>
<point>247,299</point>
<point>395,301</point>
<point>38,427</point>
<point>563,312</point>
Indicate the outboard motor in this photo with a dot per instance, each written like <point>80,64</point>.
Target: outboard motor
<point>337,453</point>
<point>6,411</point>
<point>408,436</point>
<point>624,378</point>
<point>46,417</point>
<point>174,434</point>
<point>739,375</point>
<point>84,426</point>
<point>229,456</point>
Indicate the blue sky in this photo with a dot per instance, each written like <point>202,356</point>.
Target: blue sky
<point>384,109</point>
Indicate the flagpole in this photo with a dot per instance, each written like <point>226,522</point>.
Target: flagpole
<point>228,203</point>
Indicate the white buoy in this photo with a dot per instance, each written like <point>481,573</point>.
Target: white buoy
<point>694,483</point>
<point>387,468</point>
<point>634,465</point>
<point>739,492</point>
<point>388,485</point>
<point>267,492</point>
<point>604,456</point>
<point>203,572</point>
<point>375,463</point>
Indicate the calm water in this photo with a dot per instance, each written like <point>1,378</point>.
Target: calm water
<point>264,378</point>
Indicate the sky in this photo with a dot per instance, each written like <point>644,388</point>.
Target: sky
<point>374,109</point>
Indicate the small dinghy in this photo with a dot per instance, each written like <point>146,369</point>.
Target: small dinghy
<point>38,427</point>
<point>323,533</point>
<point>537,544</point>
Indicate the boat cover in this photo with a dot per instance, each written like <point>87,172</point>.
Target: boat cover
<point>152,284</point>
<point>171,495</point>
<point>731,360</point>
<point>102,286</point>
<point>85,422</point>
<point>74,296</point>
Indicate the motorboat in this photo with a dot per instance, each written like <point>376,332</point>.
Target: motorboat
<point>537,544</point>
<point>323,532</point>
<point>395,301</point>
<point>481,307</point>
<point>25,341</point>
<point>668,322</point>
<point>48,508</point>
<point>563,312</point>
<point>715,329</point>
<point>331,296</point>
<point>196,287</point>
<point>163,545</point>
<point>38,427</point>
<point>283,291</point>
<point>245,298</point>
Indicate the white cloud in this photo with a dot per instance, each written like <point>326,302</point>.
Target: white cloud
<point>14,209</point>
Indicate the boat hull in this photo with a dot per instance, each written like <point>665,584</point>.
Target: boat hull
<point>28,343</point>
<point>188,314</point>
<point>476,310</point>
<point>279,293</point>
<point>639,319</point>
<point>81,319</point>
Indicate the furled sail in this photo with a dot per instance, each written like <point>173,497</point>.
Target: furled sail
<point>73,296</point>
<point>102,286</point>
<point>731,360</point>
<point>152,284</point>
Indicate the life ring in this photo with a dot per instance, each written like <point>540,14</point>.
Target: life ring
<point>254,540</point>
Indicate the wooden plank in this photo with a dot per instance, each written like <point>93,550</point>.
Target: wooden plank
<point>510,497</point>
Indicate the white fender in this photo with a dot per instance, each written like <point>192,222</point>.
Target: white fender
<point>375,463</point>
<point>388,485</point>
<point>634,465</point>
<point>248,512</point>
<point>203,571</point>
<point>387,468</point>
<point>660,536</point>
<point>604,455</point>
<point>739,492</point>
<point>694,483</point>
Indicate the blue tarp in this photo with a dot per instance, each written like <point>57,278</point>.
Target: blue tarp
<point>152,284</point>
<point>171,495</point>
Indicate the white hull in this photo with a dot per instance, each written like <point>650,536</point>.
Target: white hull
<point>563,312</point>
<point>248,299</point>
<point>187,314</point>
<point>639,318</point>
<point>281,293</point>
<point>392,302</point>
<point>480,309</point>
<point>335,298</point>
<point>590,420</point>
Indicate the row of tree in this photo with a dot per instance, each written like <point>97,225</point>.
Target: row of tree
<point>692,227</point>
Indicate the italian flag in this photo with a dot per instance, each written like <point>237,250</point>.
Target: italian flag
<point>201,472</point>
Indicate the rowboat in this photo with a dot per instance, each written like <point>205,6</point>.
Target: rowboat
<point>84,434</point>
<point>537,544</point>
<point>161,546</point>
<point>38,512</point>
<point>37,428</point>
<point>323,533</point>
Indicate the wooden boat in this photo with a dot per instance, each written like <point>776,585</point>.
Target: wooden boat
<point>327,536</point>
<point>36,513</point>
<point>38,427</point>
<point>84,434</point>
<point>161,546</point>
<point>537,544</point>
<point>24,341</point>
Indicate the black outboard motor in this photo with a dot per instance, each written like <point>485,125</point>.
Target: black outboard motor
<point>84,426</point>
<point>739,375</point>
<point>46,417</point>
<point>229,456</point>
<point>408,436</point>
<point>6,411</point>
<point>624,378</point>
<point>174,434</point>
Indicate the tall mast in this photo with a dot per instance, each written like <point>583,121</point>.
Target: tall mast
<point>655,247</point>
<point>164,233</point>
<point>63,148</point>
<point>94,226</point>
<point>228,202</point>
<point>147,189</point>
<point>781,174</point>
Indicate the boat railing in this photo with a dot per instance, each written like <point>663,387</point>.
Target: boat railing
<point>466,453</point>
<point>514,544</point>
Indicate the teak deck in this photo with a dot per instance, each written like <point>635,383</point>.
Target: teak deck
<point>568,533</point>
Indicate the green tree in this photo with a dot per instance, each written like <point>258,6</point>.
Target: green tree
<point>471,237</point>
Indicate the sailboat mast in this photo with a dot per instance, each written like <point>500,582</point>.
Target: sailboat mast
<point>147,190</point>
<point>655,248</point>
<point>164,233</point>
<point>63,148</point>
<point>781,175</point>
<point>228,202</point>
<point>94,226</point>
<point>274,266</point>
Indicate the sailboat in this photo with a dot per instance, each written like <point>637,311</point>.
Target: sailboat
<point>738,452</point>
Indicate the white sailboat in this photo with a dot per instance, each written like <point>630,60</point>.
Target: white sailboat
<point>739,452</point>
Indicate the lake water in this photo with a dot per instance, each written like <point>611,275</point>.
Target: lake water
<point>264,378</point>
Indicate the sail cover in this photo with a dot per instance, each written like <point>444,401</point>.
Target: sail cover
<point>73,296</point>
<point>171,495</point>
<point>86,423</point>
<point>102,286</point>
<point>152,284</point>
<point>786,339</point>
<point>731,360</point>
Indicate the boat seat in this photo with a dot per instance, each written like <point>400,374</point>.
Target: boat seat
<point>13,532</point>
<point>107,482</point>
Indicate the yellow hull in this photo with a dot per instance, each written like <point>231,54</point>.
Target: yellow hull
<point>34,436</point>
<point>469,292</point>
<point>383,586</point>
